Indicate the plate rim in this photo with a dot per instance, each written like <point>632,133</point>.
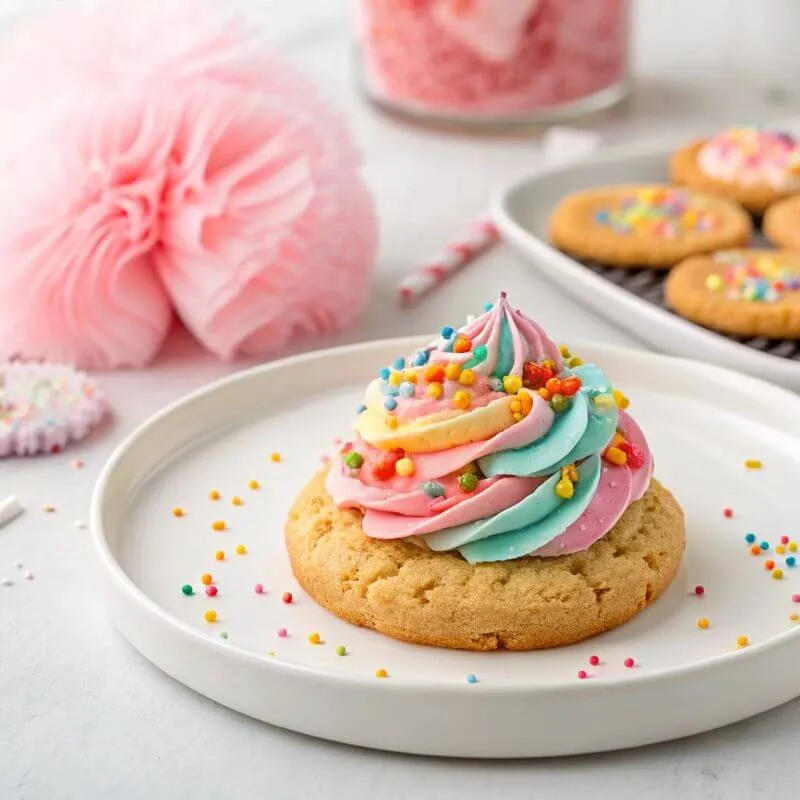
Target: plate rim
<point>755,387</point>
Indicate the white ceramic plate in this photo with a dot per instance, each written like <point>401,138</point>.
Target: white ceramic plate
<point>702,421</point>
<point>521,212</point>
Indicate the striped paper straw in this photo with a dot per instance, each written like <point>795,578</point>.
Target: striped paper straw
<point>479,237</point>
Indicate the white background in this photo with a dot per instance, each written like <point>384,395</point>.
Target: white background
<point>83,716</point>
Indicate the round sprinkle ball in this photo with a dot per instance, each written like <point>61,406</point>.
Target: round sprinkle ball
<point>780,549</point>
<point>211,591</point>
<point>791,561</point>
<point>275,457</point>
<point>742,641</point>
<point>210,615</point>
<point>385,373</point>
<point>777,574</point>
<point>792,547</point>
<point>755,550</point>
<point>594,660</point>
<point>253,485</point>
<point>341,650</point>
<point>447,332</point>
<point>404,467</point>
<point>390,404</point>
<point>223,635</point>
<point>794,617</point>
<point>287,597</point>
<point>796,598</point>
<point>237,501</point>
<point>241,549</point>
<point>399,363</point>
<point>750,538</point>
<point>219,555</point>
<point>354,460</point>
<point>314,638</point>
<point>432,489</point>
<point>629,662</point>
<point>468,482</point>
<point>702,623</point>
<point>764,545</point>
<point>213,495</point>
<point>583,674</point>
<point>178,512</point>
<point>727,513</point>
<point>381,673</point>
<point>283,633</point>
<point>259,588</point>
<point>784,540</point>
<point>218,525</point>
<point>699,590</point>
<point>187,589</point>
<point>206,579</point>
<point>769,564</point>
<point>471,678</point>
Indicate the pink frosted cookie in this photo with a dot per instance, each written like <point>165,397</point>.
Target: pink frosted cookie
<point>44,407</point>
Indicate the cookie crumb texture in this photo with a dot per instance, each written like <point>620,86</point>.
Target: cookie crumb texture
<point>411,593</point>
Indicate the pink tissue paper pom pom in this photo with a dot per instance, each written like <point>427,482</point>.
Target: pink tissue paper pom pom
<point>157,155</point>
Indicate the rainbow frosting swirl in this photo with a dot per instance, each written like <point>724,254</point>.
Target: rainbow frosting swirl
<point>488,443</point>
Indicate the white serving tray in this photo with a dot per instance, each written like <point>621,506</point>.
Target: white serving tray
<point>521,212</point>
<point>702,422</point>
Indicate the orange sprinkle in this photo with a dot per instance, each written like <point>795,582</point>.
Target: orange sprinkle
<point>780,549</point>
<point>276,457</point>
<point>213,495</point>
<point>381,673</point>
<point>237,501</point>
<point>794,617</point>
<point>702,623</point>
<point>253,485</point>
<point>178,512</point>
<point>206,579</point>
<point>769,564</point>
<point>755,550</point>
<point>218,525</point>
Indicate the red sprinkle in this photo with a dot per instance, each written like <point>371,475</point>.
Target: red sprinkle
<point>784,540</point>
<point>594,660</point>
<point>635,455</point>
<point>699,590</point>
<point>582,674</point>
<point>629,662</point>
<point>283,633</point>
<point>259,588</point>
<point>796,598</point>
<point>287,597</point>
<point>727,513</point>
<point>769,564</point>
<point>211,591</point>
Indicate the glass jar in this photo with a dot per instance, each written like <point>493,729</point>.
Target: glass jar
<point>493,62</point>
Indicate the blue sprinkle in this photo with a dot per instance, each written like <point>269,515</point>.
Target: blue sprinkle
<point>392,391</point>
<point>432,488</point>
<point>447,332</point>
<point>361,409</point>
<point>488,306</point>
<point>385,373</point>
<point>420,359</point>
<point>495,384</point>
<point>407,389</point>
<point>399,363</point>
<point>750,538</point>
<point>790,561</point>
<point>390,404</point>
<point>471,679</point>
<point>764,545</point>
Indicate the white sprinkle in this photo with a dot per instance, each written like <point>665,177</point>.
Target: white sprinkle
<point>10,509</point>
<point>6,582</point>
<point>17,565</point>
<point>80,524</point>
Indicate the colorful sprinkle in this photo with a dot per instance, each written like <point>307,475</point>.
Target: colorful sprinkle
<point>259,588</point>
<point>404,467</point>
<point>753,463</point>
<point>702,623</point>
<point>78,463</point>
<point>240,550</point>
<point>769,564</point>
<point>314,638</point>
<point>780,549</point>
<point>384,374</point>
<point>354,460</point>
<point>283,633</point>
<point>237,501</point>
<point>390,404</point>
<point>750,538</point>
<point>214,495</point>
<point>223,635</point>
<point>176,512</point>
<point>742,641</point>
<point>432,489</point>
<point>794,617</point>
<point>287,597</point>
<point>218,525</point>
<point>791,561</point>
<point>777,574</point>
<point>219,555</point>
<point>341,650</point>
<point>462,399</point>
<point>699,590</point>
<point>187,589</point>
<point>784,540</point>
<point>764,545</point>
<point>629,662</point>
<point>206,579</point>
<point>759,279</point>
<point>792,547</point>
<point>212,591</point>
<point>275,457</point>
<point>468,482</point>
<point>210,615</point>
<point>253,484</point>
<point>796,598</point>
<point>755,550</point>
<point>381,673</point>
<point>512,384</point>
<point>467,377</point>
<point>727,513</point>
<point>594,660</point>
<point>447,332</point>
<point>583,674</point>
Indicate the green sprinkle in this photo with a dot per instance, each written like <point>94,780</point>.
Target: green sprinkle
<point>187,589</point>
<point>354,460</point>
<point>559,403</point>
<point>341,650</point>
<point>468,482</point>
<point>223,635</point>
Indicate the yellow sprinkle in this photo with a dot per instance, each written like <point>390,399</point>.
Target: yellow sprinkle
<point>575,362</point>
<point>253,485</point>
<point>219,555</point>
<point>742,641</point>
<point>462,399</point>
<point>435,390</point>
<point>395,378</point>
<point>206,579</point>
<point>237,501</point>
<point>777,574</point>
<point>615,456</point>
<point>240,549</point>
<point>381,673</point>
<point>515,406</point>
<point>410,375</point>
<point>604,401</point>
<point>218,525</point>
<point>213,495</point>
<point>780,549</point>
<point>794,617</point>
<point>210,615</point>
<point>404,467</point>
<point>565,489</point>
<point>753,463</point>
<point>467,377</point>
<point>512,384</point>
<point>452,371</point>
<point>702,623</point>
<point>792,547</point>
<point>276,457</point>
<point>620,399</point>
<point>314,638</point>
<point>564,350</point>
<point>176,512</point>
<point>714,283</point>
<point>391,421</point>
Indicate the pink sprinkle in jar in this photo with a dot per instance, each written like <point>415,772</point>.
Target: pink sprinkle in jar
<point>493,62</point>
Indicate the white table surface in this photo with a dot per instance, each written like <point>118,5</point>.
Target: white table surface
<point>82,715</point>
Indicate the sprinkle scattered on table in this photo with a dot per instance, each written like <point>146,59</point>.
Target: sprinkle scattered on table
<point>753,463</point>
